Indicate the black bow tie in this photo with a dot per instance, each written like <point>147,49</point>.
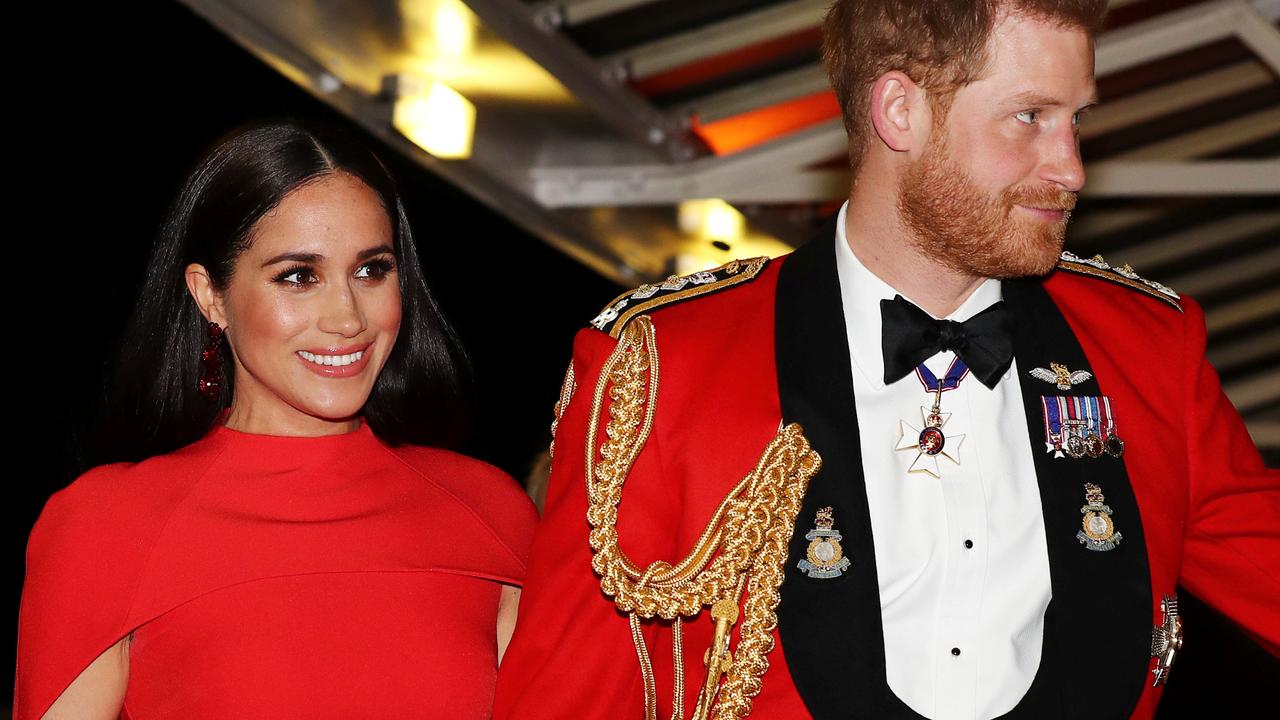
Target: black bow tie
<point>984,342</point>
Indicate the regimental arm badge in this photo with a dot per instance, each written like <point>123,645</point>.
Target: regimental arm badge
<point>825,557</point>
<point>1097,532</point>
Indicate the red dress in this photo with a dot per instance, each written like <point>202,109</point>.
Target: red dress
<point>267,576</point>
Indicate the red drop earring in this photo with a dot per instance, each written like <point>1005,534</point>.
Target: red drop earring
<point>211,379</point>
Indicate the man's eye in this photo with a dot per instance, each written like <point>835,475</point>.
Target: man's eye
<point>1028,116</point>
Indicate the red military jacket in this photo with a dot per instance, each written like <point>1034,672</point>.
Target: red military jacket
<point>744,351</point>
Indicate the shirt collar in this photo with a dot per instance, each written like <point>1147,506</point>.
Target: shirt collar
<point>861,292</point>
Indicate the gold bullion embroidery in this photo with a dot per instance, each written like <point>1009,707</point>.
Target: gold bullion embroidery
<point>741,551</point>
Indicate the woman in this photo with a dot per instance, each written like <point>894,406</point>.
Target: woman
<point>278,541</point>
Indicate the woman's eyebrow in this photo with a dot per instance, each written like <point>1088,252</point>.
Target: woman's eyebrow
<point>317,257</point>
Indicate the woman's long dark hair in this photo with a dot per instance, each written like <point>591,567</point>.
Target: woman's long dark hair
<point>153,404</point>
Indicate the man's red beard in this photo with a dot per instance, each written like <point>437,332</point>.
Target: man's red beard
<point>960,226</point>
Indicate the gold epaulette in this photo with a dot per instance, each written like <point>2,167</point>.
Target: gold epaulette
<point>1122,275</point>
<point>676,288</point>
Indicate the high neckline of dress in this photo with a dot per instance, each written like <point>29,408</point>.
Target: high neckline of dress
<point>221,430</point>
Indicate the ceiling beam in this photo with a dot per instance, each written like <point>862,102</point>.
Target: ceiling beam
<point>1244,311</point>
<point>1199,239</point>
<point>576,12</point>
<point>599,87</point>
<point>1245,350</point>
<point>770,90</point>
<point>1256,30</point>
<point>1174,97</point>
<point>1176,31</point>
<point>1254,392</point>
<point>1240,269</point>
<point>750,28</point>
<point>1210,140</point>
<point>1265,433</point>
<point>1122,178</point>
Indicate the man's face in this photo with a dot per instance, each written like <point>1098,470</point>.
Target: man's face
<point>991,193</point>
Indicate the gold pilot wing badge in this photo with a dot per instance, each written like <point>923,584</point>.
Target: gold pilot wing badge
<point>825,558</point>
<point>1059,375</point>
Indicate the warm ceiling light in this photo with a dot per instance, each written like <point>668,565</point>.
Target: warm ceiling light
<point>452,28</point>
<point>711,219</point>
<point>440,121</point>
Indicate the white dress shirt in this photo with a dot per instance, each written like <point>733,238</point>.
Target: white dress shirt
<point>962,564</point>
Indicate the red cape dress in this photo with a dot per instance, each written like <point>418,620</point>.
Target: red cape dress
<point>267,576</point>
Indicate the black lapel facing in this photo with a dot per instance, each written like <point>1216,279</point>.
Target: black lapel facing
<point>1097,628</point>
<point>830,628</point>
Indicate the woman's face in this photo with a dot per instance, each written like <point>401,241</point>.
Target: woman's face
<point>313,308</point>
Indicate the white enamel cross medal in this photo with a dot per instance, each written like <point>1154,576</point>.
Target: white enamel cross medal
<point>929,442</point>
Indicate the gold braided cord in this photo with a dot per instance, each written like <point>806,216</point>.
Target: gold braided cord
<point>566,394</point>
<point>646,670</point>
<point>744,545</point>
<point>677,655</point>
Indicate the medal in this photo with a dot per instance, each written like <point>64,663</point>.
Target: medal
<point>1097,531</point>
<point>930,441</point>
<point>825,558</point>
<point>1093,428</point>
<point>1111,442</point>
<point>1080,426</point>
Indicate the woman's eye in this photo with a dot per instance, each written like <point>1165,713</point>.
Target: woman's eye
<point>375,270</point>
<point>296,276</point>
<point>1027,116</point>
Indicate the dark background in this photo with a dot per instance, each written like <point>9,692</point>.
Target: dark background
<point>122,101</point>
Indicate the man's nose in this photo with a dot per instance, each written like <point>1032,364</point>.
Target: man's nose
<point>1063,165</point>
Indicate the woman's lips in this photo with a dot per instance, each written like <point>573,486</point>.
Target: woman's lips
<point>336,362</point>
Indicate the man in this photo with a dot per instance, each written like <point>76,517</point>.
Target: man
<point>984,516</point>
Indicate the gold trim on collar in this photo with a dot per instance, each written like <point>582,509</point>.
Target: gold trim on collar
<point>677,288</point>
<point>1123,275</point>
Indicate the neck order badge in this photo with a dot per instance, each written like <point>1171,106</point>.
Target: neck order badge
<point>930,441</point>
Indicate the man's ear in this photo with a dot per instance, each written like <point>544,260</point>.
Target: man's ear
<point>899,112</point>
<point>209,300</point>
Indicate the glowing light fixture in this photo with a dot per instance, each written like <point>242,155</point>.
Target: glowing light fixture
<point>711,219</point>
<point>438,120</point>
<point>452,29</point>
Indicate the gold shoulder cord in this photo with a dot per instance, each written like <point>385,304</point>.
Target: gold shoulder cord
<point>748,536</point>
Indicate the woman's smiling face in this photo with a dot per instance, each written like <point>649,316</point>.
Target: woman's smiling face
<point>312,309</point>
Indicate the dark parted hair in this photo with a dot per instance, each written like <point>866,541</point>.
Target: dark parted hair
<point>153,404</point>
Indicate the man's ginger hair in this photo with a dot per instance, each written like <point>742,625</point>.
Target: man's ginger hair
<point>940,44</point>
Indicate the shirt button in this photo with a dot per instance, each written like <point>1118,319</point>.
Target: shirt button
<point>968,544</point>
<point>955,651</point>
